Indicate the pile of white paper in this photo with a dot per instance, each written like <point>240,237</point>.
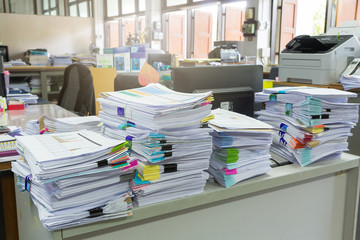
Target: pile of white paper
<point>61,60</point>
<point>312,123</point>
<point>350,81</point>
<point>166,134</point>
<point>75,178</point>
<point>28,98</point>
<point>47,124</point>
<point>240,147</point>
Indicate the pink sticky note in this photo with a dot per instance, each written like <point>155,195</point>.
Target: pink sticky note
<point>230,172</point>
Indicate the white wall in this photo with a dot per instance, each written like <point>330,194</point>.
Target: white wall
<point>57,34</point>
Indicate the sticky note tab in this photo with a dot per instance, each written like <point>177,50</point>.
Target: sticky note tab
<point>121,112</point>
<point>230,172</point>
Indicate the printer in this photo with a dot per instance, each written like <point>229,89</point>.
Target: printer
<point>227,51</point>
<point>317,59</point>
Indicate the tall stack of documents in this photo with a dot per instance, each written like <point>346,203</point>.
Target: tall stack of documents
<point>75,178</point>
<point>240,147</point>
<point>47,124</point>
<point>312,123</point>
<point>165,130</point>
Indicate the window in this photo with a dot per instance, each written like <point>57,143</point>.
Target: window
<point>234,19</point>
<point>176,33</point>
<point>120,8</point>
<point>127,6</point>
<point>79,8</point>
<point>114,34</point>
<point>128,29</point>
<point>112,8</point>
<point>205,21</point>
<point>170,3</point>
<point>142,5</point>
<point>120,31</point>
<point>315,23</point>
<point>21,6</point>
<point>124,18</point>
<point>50,7</point>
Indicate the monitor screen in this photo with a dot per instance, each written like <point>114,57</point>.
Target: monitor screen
<point>232,77</point>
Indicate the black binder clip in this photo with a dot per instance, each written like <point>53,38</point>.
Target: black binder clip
<point>95,212</point>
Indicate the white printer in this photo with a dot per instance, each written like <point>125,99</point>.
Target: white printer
<point>317,59</point>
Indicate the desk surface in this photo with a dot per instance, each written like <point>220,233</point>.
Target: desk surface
<point>19,118</point>
<point>332,85</point>
<point>277,177</point>
<point>322,196</point>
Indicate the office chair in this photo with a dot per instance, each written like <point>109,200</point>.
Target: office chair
<point>124,81</point>
<point>77,94</point>
<point>274,72</point>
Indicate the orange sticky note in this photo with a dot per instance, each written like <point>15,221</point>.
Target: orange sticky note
<point>147,75</point>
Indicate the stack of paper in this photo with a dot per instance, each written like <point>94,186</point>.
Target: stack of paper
<point>164,128</point>
<point>35,85</point>
<point>61,60</point>
<point>28,98</point>
<point>87,60</point>
<point>350,81</point>
<point>47,124</point>
<point>73,178</point>
<point>7,143</point>
<point>312,123</point>
<point>240,147</point>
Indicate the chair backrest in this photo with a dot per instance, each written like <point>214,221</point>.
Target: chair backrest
<point>124,81</point>
<point>77,94</point>
<point>274,72</point>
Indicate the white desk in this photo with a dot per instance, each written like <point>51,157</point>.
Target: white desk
<point>314,202</point>
<point>7,192</point>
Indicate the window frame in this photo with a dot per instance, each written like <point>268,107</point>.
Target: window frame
<point>7,7</point>
<point>122,39</point>
<point>90,7</point>
<point>137,12</point>
<point>50,9</point>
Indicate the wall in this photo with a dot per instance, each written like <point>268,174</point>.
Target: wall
<point>262,38</point>
<point>57,34</point>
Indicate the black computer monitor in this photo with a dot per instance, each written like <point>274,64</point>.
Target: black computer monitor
<point>164,58</point>
<point>232,85</point>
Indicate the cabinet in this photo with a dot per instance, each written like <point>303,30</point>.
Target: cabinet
<point>42,72</point>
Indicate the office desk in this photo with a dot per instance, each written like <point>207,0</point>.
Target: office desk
<point>37,71</point>
<point>7,190</point>
<point>332,85</point>
<point>317,202</point>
